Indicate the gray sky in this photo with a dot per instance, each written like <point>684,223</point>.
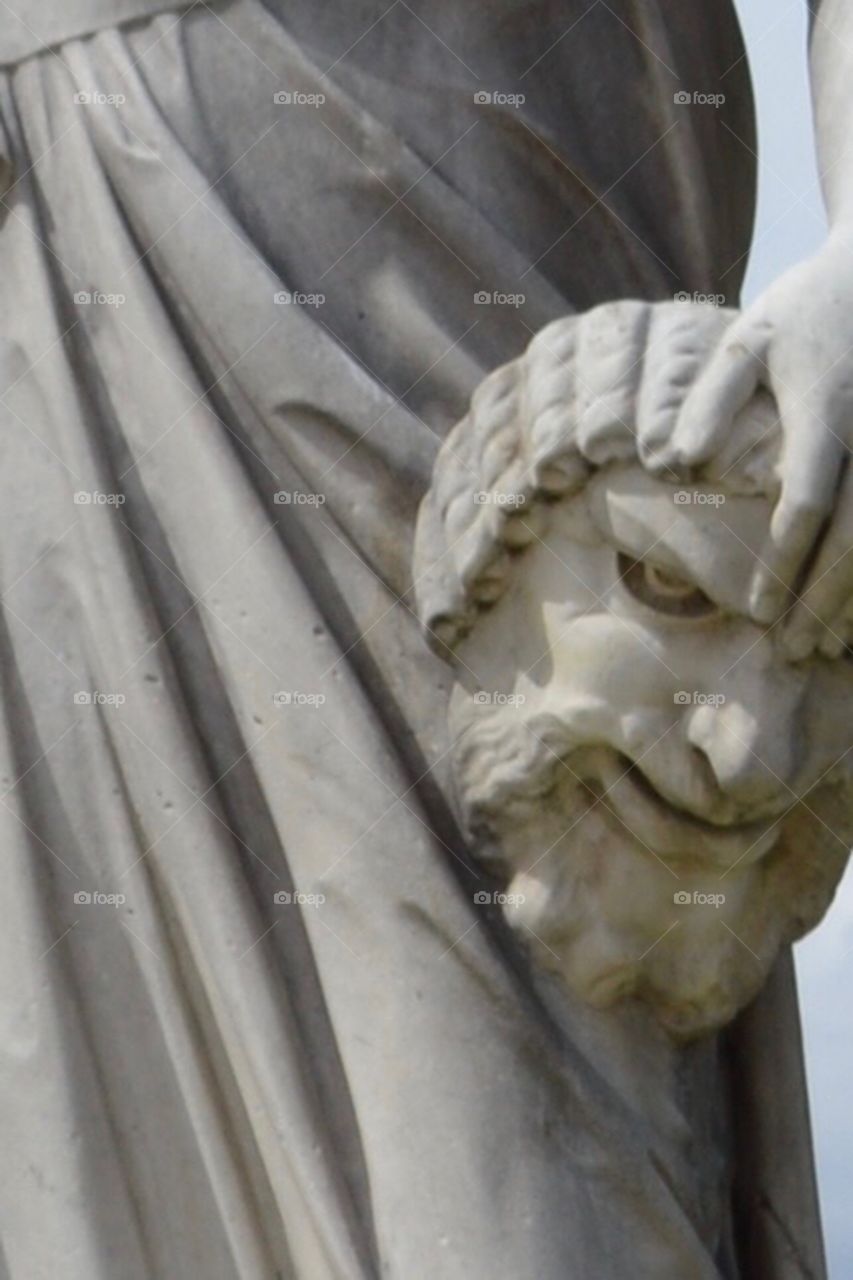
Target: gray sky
<point>791,224</point>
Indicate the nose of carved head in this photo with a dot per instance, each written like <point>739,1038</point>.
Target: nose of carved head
<point>753,760</point>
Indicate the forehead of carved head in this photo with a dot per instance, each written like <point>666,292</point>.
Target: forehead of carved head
<point>664,793</point>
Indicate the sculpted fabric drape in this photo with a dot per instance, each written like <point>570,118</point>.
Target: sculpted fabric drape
<point>202,1080</point>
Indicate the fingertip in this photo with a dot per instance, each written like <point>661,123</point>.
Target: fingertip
<point>662,458</point>
<point>721,391</point>
<point>695,439</point>
<point>767,598</point>
<point>832,645</point>
<point>798,644</point>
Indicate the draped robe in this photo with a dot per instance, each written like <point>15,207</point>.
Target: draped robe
<point>205,1079</point>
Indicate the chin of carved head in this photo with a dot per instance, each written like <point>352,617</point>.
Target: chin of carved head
<point>625,894</point>
<point>666,795</point>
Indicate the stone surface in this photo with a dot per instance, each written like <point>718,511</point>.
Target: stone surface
<point>665,792</point>
<point>257,1020</point>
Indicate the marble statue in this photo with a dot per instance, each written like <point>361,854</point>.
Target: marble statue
<point>263,1014</point>
<point>665,791</point>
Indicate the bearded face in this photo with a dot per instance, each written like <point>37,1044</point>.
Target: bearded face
<point>667,796</point>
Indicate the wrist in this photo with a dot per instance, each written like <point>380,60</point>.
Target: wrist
<point>840,236</point>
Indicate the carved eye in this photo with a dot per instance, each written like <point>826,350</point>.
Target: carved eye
<point>661,589</point>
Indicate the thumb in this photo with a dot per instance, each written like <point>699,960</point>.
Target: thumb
<point>812,456</point>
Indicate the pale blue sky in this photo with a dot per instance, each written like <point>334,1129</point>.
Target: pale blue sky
<point>790,225</point>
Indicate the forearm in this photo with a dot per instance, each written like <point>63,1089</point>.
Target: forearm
<point>831,59</point>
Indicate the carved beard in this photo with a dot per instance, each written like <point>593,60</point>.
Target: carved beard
<point>597,907</point>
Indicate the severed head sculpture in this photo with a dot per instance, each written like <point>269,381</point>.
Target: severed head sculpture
<point>665,794</point>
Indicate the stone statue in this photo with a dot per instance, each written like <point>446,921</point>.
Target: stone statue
<point>666,793</point>
<point>256,258</point>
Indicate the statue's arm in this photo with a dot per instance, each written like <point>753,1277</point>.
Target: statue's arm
<point>831,60</point>
<point>796,340</point>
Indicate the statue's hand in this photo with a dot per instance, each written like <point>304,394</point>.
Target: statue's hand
<point>797,341</point>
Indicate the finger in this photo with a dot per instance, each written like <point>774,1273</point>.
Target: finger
<point>831,644</point>
<point>811,462</point>
<point>829,585</point>
<point>730,379</point>
<point>681,340</point>
<point>840,634</point>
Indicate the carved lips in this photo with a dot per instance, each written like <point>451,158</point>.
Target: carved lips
<point>669,830</point>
